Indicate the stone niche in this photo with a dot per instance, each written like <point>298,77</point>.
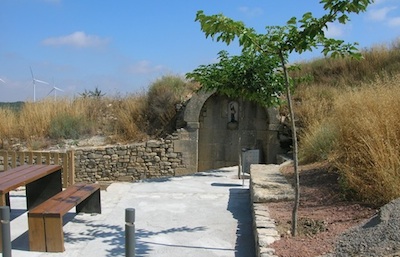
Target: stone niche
<point>217,129</point>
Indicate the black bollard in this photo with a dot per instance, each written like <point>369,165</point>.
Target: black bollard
<point>5,231</point>
<point>130,232</point>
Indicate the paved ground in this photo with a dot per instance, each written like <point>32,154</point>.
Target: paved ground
<point>207,214</point>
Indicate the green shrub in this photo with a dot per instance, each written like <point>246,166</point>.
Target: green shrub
<point>318,142</point>
<point>65,126</point>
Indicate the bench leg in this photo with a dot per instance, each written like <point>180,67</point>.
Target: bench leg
<point>5,200</point>
<point>91,204</point>
<point>54,233</point>
<point>37,238</point>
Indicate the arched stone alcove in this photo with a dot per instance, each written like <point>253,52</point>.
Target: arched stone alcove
<point>218,128</point>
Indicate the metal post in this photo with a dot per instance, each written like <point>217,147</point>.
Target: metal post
<point>130,232</point>
<point>5,230</point>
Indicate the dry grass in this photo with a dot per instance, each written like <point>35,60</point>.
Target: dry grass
<point>129,118</point>
<point>342,72</point>
<point>349,114</point>
<point>360,136</point>
<point>367,147</point>
<point>125,119</point>
<point>7,124</point>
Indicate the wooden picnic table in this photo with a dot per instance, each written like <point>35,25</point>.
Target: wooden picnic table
<point>41,182</point>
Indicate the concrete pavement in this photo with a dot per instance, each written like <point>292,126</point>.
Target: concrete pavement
<point>206,214</point>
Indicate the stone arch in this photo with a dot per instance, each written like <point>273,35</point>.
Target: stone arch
<point>208,142</point>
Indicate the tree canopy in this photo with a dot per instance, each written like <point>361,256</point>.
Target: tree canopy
<point>250,75</point>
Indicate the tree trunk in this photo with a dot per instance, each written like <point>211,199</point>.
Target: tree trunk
<point>295,150</point>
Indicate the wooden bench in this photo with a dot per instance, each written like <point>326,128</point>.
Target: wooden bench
<point>45,221</point>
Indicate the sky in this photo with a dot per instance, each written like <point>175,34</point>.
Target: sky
<point>122,47</point>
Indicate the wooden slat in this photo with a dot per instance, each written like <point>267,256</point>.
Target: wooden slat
<point>3,200</point>
<point>71,167</point>
<point>5,162</point>
<point>66,204</point>
<point>56,199</point>
<point>65,170</point>
<point>13,160</point>
<point>17,169</point>
<point>56,158</point>
<point>21,158</point>
<point>39,158</point>
<point>30,158</point>
<point>23,175</point>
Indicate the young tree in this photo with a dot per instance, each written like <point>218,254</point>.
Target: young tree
<point>251,76</point>
<point>298,35</point>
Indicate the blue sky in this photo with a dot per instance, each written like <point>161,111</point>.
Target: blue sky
<point>123,46</point>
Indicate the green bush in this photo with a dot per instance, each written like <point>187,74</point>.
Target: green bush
<point>66,126</point>
<point>318,142</point>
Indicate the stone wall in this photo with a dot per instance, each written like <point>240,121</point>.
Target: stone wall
<point>152,159</point>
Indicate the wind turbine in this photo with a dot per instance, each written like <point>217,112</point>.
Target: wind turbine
<point>34,84</point>
<point>2,80</point>
<point>55,89</point>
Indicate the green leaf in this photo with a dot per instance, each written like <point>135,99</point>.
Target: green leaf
<point>292,21</point>
<point>343,19</point>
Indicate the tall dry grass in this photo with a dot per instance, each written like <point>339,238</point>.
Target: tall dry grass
<point>366,150</point>
<point>33,123</point>
<point>8,119</point>
<point>127,118</point>
<point>360,137</point>
<point>348,113</point>
<point>338,72</point>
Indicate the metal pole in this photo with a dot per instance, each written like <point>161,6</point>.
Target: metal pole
<point>5,230</point>
<point>130,232</point>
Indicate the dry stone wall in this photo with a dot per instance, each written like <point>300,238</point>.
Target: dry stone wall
<point>152,159</point>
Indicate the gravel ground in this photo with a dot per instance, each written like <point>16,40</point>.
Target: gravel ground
<point>377,237</point>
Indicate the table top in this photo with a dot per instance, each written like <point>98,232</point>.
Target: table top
<point>25,174</point>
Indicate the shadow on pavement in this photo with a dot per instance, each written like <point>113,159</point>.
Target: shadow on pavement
<point>240,207</point>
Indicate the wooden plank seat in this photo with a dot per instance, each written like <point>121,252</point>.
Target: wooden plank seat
<point>45,221</point>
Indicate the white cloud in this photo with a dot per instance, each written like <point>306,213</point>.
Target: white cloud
<point>334,30</point>
<point>144,67</point>
<point>251,12</point>
<point>380,14</point>
<point>394,22</point>
<point>77,39</point>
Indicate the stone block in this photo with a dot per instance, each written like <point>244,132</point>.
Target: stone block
<point>182,172</point>
<point>125,178</point>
